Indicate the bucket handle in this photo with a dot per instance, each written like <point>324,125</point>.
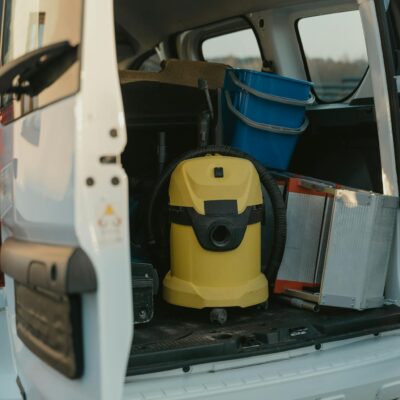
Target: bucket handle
<point>270,97</point>
<point>261,126</point>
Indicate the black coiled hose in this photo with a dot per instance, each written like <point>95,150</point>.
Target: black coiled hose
<point>268,182</point>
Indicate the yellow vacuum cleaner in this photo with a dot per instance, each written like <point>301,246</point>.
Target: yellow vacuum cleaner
<point>216,210</point>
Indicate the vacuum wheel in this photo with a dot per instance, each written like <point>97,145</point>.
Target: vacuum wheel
<point>219,316</point>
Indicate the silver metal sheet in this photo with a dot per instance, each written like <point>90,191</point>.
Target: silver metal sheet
<point>304,220</point>
<point>337,301</point>
<point>357,250</point>
<point>323,239</point>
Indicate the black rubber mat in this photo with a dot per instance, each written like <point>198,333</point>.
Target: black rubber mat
<point>178,337</point>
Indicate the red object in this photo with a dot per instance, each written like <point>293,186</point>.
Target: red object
<point>281,285</point>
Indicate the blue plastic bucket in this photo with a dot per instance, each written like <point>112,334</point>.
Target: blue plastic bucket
<point>264,114</point>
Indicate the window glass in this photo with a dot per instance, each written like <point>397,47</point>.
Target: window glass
<point>29,25</point>
<point>238,49</point>
<point>335,52</point>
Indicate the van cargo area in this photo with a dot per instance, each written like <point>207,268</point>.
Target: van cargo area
<point>340,145</point>
<point>260,219</point>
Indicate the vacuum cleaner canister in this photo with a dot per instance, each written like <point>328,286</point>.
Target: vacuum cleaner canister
<point>216,210</point>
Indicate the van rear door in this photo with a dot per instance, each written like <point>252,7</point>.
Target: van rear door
<point>63,199</point>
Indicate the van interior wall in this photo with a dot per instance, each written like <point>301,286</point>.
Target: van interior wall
<point>341,145</point>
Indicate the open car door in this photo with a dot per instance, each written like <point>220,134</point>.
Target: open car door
<point>63,199</point>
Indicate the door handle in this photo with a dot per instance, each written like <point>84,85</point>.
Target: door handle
<point>59,269</point>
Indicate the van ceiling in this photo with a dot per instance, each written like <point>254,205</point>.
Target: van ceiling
<point>143,24</point>
<point>149,22</point>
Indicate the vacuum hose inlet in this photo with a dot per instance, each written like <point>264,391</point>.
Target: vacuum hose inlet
<point>267,181</point>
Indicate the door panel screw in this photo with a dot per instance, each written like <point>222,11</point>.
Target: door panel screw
<point>90,181</point>
<point>115,180</point>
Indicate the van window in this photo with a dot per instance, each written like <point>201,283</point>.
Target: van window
<point>29,25</point>
<point>238,49</point>
<point>335,53</point>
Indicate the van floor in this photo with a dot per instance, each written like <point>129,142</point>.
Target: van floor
<point>179,337</point>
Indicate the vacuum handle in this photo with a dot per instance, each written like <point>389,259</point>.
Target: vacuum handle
<point>219,130</point>
<point>271,97</point>
<point>204,122</point>
<point>203,86</point>
<point>264,127</point>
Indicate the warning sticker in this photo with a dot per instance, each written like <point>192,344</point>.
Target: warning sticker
<point>110,225</point>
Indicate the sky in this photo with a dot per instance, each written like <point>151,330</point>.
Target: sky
<point>335,36</point>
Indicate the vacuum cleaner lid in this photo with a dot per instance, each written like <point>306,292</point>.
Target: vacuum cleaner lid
<point>197,182</point>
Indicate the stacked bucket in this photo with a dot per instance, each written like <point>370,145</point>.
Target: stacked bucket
<point>264,114</point>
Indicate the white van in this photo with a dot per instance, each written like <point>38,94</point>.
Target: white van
<point>83,102</point>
